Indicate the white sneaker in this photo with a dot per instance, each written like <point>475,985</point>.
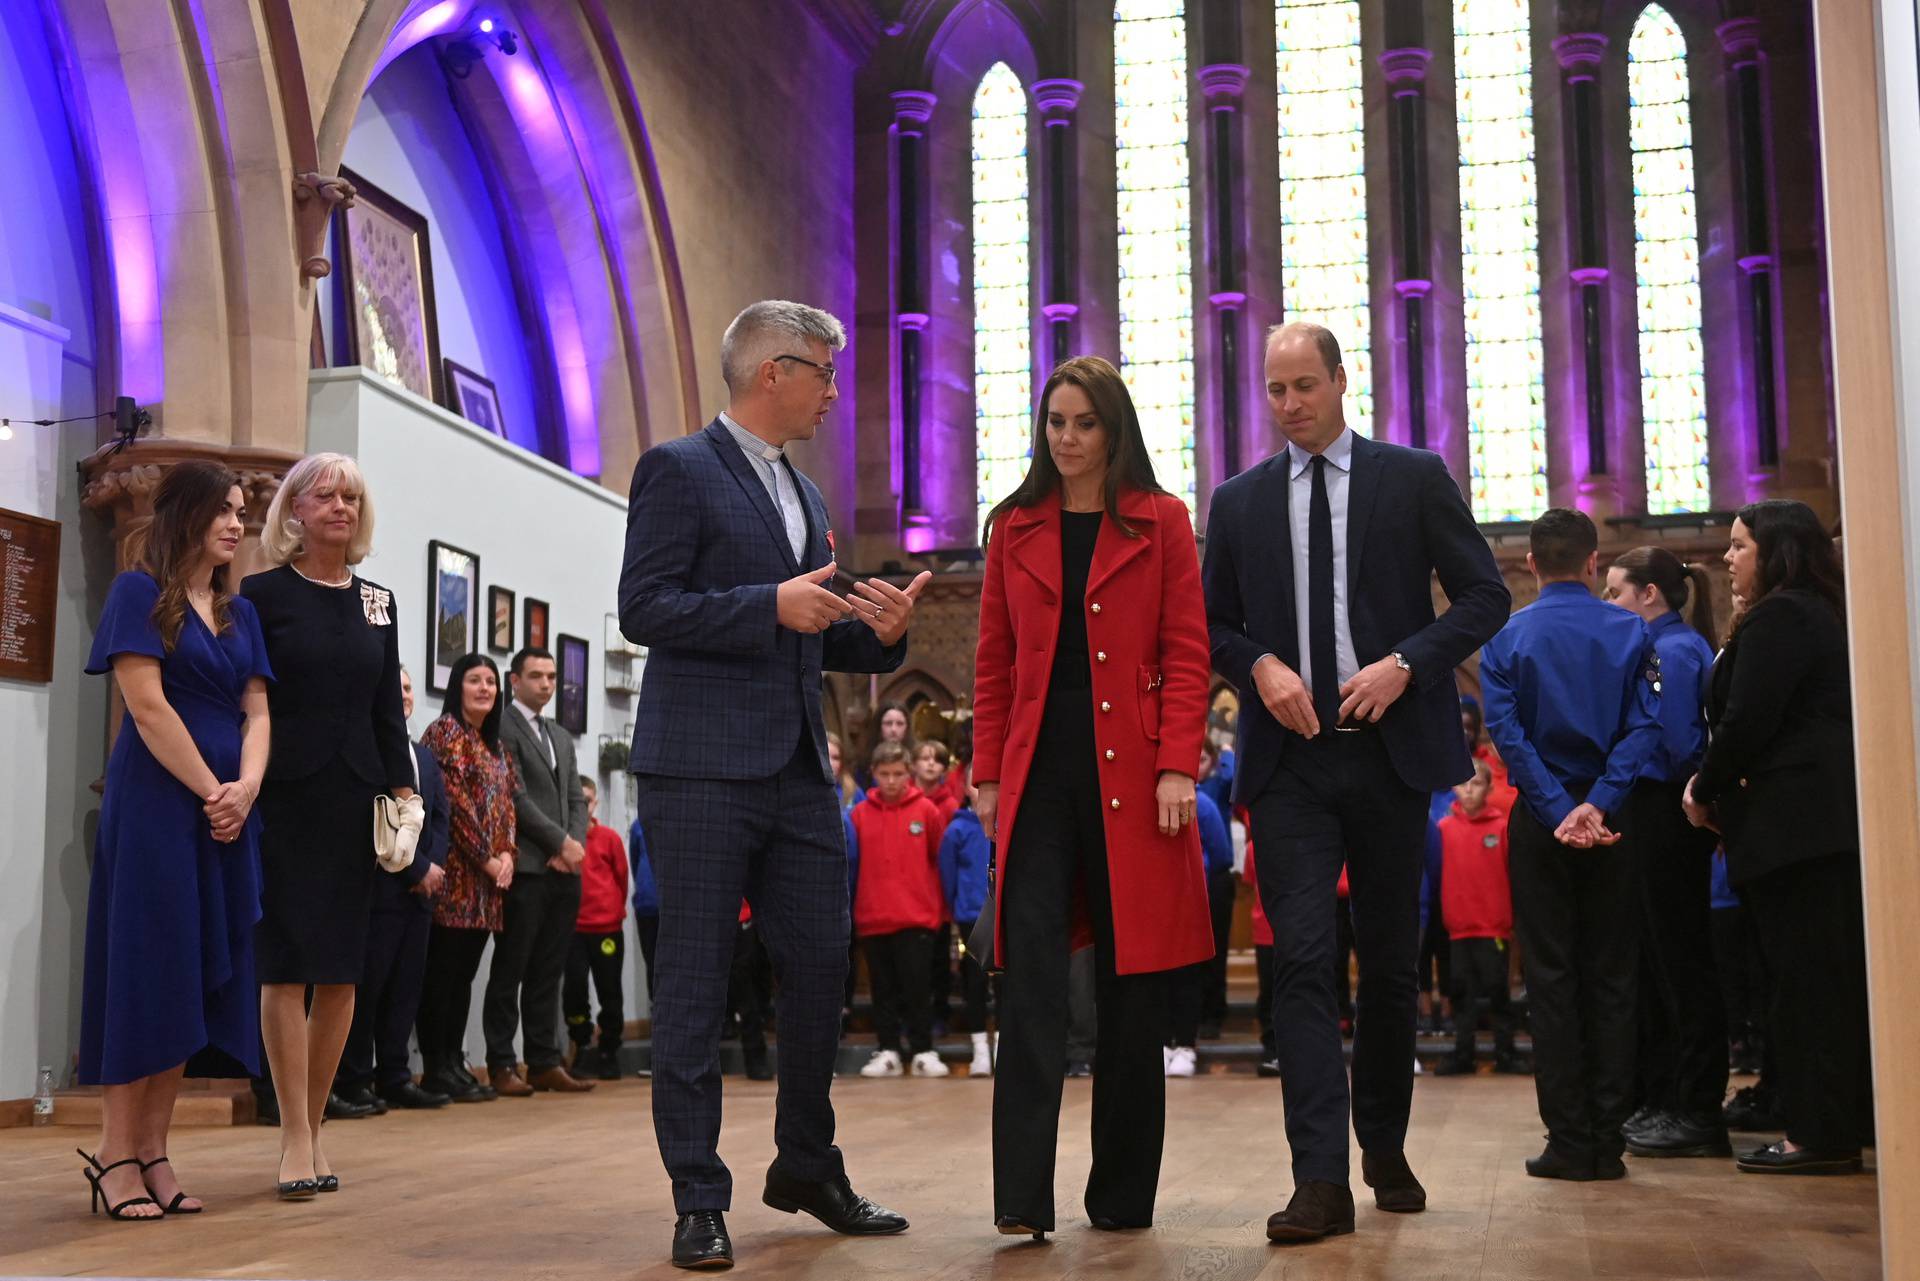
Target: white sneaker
<point>1166,1059</point>
<point>982,1064</point>
<point>1181,1061</point>
<point>927,1063</point>
<point>883,1063</point>
<point>1417,1069</point>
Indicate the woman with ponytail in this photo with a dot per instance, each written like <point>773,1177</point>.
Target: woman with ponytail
<point>176,871</point>
<point>1683,1036</point>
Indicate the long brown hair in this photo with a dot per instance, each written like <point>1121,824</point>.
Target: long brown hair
<point>1129,466</point>
<point>1677,582</point>
<point>1793,551</point>
<point>185,505</point>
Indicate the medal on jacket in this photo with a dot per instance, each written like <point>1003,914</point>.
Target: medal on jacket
<point>1653,672</point>
<point>917,828</point>
<point>375,601</point>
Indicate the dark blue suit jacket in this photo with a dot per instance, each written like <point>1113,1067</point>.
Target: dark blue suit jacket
<point>1406,521</point>
<point>727,692</point>
<point>395,889</point>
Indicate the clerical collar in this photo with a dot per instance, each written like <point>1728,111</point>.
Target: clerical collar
<point>751,443</point>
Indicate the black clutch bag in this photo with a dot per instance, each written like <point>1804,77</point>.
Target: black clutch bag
<point>980,939</point>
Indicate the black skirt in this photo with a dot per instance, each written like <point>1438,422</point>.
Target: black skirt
<point>316,877</point>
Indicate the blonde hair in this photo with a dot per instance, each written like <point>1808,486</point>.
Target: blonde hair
<point>281,537</point>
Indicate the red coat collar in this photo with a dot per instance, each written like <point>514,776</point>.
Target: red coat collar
<point>1033,540</point>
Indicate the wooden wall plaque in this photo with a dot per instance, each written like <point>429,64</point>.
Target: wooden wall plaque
<point>29,573</point>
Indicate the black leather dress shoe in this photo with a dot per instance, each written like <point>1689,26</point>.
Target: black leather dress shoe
<point>1008,1225</point>
<point>339,1109</point>
<point>700,1241</point>
<point>1775,1159</point>
<point>833,1202</point>
<point>1317,1209</point>
<point>1555,1164</point>
<point>1107,1223</point>
<point>408,1095</point>
<point>1395,1189</point>
<point>1676,1135</point>
<point>361,1096</point>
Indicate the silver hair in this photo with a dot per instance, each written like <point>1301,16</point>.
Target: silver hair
<point>769,329</point>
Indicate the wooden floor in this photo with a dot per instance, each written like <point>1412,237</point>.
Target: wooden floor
<point>571,1189</point>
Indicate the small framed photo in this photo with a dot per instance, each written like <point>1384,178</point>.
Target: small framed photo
<point>533,625</point>
<point>453,610</point>
<point>573,684</point>
<point>500,620</point>
<point>385,316</point>
<point>475,399</point>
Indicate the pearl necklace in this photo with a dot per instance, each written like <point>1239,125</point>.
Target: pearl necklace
<point>321,582</point>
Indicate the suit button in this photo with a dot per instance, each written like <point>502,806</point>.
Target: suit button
<point>1100,657</point>
<point>1106,707</point>
<point>1115,802</point>
<point>1109,753</point>
<point>1095,607</point>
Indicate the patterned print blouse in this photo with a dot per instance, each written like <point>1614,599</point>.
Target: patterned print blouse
<point>480,789</point>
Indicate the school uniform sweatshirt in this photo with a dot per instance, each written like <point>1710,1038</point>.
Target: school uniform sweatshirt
<point>603,883</point>
<point>899,886</point>
<point>1475,900</point>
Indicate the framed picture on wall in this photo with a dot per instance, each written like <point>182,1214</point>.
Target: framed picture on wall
<point>475,399</point>
<point>384,311</point>
<point>500,620</point>
<point>533,625</point>
<point>453,610</point>
<point>572,656</point>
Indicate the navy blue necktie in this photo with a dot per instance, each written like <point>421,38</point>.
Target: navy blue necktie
<point>1320,653</point>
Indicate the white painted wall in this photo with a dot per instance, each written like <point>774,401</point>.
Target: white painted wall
<point>538,530</point>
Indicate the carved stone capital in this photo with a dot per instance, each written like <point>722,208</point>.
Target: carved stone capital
<point>1580,52</point>
<point>1406,68</point>
<point>315,197</point>
<point>1740,38</point>
<point>1056,99</point>
<point>120,485</point>
<point>1224,84</point>
<point>912,108</point>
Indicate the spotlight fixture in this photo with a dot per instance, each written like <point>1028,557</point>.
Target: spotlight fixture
<point>460,54</point>
<point>486,26</point>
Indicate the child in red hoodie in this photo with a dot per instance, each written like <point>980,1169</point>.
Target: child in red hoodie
<point>898,905</point>
<point>599,947</point>
<point>1477,906</point>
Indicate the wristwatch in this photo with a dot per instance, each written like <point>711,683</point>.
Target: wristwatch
<point>1400,661</point>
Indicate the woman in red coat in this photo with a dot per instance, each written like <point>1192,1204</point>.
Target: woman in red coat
<point>1090,704</point>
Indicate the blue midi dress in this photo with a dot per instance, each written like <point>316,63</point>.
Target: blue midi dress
<point>171,911</point>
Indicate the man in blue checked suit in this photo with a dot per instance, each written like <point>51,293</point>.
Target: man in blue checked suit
<point>726,580</point>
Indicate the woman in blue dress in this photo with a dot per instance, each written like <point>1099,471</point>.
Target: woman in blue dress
<point>176,877</point>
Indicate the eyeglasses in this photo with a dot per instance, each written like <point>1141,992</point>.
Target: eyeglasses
<point>826,371</point>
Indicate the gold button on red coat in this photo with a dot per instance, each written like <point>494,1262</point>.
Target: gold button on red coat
<point>1109,753</point>
<point>1100,657</point>
<point>1116,802</point>
<point>1106,707</point>
<point>1095,607</point>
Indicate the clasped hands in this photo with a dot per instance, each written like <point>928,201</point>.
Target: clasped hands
<point>1584,827</point>
<point>572,854</point>
<point>227,807</point>
<point>804,605</point>
<point>1373,689</point>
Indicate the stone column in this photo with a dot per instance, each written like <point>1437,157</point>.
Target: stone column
<point>1406,72</point>
<point>1224,85</point>
<point>1746,87</point>
<point>1580,54</point>
<point>1057,100</point>
<point>912,108</point>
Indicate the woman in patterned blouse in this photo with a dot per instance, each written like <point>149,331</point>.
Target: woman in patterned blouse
<point>469,906</point>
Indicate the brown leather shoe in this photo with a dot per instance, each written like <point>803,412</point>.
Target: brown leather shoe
<point>507,1083</point>
<point>1317,1210</point>
<point>1395,1189</point>
<point>557,1080</point>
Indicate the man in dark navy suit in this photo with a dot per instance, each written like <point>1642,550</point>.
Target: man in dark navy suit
<point>728,564</point>
<point>1318,574</point>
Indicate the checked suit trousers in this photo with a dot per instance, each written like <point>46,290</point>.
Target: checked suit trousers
<point>778,842</point>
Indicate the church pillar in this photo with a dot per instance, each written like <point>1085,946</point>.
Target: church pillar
<point>912,108</point>
<point>1406,72</point>
<point>1225,87</point>
<point>1057,101</point>
<point>1579,54</point>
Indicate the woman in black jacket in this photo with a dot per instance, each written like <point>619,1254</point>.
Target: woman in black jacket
<point>1778,782</point>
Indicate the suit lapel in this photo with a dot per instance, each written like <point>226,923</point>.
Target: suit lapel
<point>756,491</point>
<point>1273,501</point>
<point>1363,485</point>
<point>534,747</point>
<point>1112,550</point>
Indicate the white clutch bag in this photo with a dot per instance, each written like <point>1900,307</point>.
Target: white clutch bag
<point>396,830</point>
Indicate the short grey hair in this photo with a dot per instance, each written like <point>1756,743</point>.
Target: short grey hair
<point>769,329</point>
<point>1322,338</point>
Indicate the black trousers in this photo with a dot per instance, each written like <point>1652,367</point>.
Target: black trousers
<point>648,928</point>
<point>901,974</point>
<point>529,962</point>
<point>1057,854</point>
<point>1186,989</point>
<point>388,999</point>
<point>603,958</point>
<point>453,958</point>
<point>1263,968</point>
<point>1576,913</point>
<point>973,983</point>
<point>1343,956</point>
<point>1436,958</point>
<point>1809,920</point>
<point>743,988</point>
<point>1742,975</point>
<point>1682,1021</point>
<point>1213,985</point>
<point>940,974</point>
<point>1333,800</point>
<point>1480,986</point>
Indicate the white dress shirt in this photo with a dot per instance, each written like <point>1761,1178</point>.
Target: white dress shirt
<point>766,462</point>
<point>533,723</point>
<point>1339,470</point>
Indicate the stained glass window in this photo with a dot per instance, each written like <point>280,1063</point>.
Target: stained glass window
<point>1002,293</point>
<point>1500,259</point>
<point>1156,265</point>
<point>1323,183</point>
<point>1666,265</point>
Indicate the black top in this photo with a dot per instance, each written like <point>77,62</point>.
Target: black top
<point>1072,666</point>
<point>1779,764</point>
<point>336,661</point>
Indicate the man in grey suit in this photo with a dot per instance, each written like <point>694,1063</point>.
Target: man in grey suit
<point>530,953</point>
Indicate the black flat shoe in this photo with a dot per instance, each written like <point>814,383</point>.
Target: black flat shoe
<point>1775,1159</point>
<point>327,1183</point>
<point>1008,1226</point>
<point>1395,1189</point>
<point>406,1094</point>
<point>833,1202</point>
<point>1102,1223</point>
<point>339,1109</point>
<point>700,1241</point>
<point>299,1189</point>
<point>1317,1209</point>
<point>1674,1135</point>
<point>174,1206</point>
<point>1555,1164</point>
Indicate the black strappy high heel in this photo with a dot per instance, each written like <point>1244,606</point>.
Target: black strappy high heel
<point>97,1172</point>
<point>173,1206</point>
